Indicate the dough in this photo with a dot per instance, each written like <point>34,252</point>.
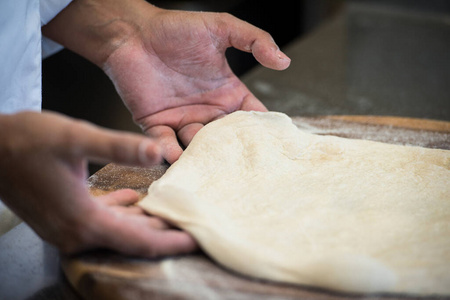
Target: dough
<point>268,200</point>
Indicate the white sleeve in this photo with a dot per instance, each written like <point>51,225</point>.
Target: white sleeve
<point>48,10</point>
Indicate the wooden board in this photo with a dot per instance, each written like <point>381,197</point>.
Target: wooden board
<point>107,275</point>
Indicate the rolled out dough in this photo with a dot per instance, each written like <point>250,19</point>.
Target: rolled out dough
<point>268,200</point>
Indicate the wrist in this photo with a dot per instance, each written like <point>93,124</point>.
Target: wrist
<point>96,28</point>
<point>10,134</point>
<point>4,136</point>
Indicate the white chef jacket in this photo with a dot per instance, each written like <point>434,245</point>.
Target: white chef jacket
<point>20,62</point>
<point>22,49</point>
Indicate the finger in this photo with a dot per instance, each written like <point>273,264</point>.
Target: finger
<point>137,212</point>
<point>157,223</point>
<point>121,197</point>
<point>249,38</point>
<point>137,236</point>
<point>171,242</point>
<point>129,210</point>
<point>167,139</point>
<point>186,134</point>
<point>252,103</point>
<point>108,145</point>
<point>268,57</point>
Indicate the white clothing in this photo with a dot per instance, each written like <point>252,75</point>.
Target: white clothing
<point>21,52</point>
<point>20,62</point>
<point>48,10</point>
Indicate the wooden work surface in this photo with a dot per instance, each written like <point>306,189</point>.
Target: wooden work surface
<point>106,275</point>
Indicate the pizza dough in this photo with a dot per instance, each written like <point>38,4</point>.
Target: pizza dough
<point>268,200</point>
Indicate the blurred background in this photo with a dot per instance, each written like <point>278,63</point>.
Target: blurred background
<point>384,57</point>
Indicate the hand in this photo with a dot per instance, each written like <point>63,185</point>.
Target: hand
<point>173,74</point>
<point>43,163</point>
<point>168,66</point>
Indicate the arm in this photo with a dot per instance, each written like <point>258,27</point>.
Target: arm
<point>168,66</point>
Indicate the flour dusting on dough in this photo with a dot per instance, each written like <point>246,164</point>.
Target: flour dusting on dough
<point>269,200</point>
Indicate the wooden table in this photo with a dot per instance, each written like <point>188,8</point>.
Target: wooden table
<point>107,275</point>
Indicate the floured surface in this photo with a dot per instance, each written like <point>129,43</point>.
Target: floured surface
<point>268,200</point>
<point>408,132</point>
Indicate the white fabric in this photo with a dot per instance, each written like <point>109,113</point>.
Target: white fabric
<point>21,62</point>
<point>21,53</point>
<point>49,9</point>
<point>20,56</point>
<point>50,47</point>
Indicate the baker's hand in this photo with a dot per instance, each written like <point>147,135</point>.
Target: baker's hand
<point>174,77</point>
<point>43,171</point>
<point>168,66</point>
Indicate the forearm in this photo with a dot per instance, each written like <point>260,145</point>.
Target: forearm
<point>95,28</point>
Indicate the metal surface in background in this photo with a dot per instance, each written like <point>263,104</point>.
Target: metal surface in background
<point>374,60</point>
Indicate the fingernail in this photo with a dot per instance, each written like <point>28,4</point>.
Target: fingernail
<point>282,56</point>
<point>283,61</point>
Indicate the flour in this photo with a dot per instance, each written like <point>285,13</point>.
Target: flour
<point>359,216</point>
<point>379,133</point>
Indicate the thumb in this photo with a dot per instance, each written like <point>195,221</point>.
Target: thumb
<point>103,145</point>
<point>249,38</point>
